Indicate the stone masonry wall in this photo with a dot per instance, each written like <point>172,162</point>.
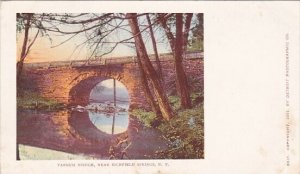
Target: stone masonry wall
<point>72,86</point>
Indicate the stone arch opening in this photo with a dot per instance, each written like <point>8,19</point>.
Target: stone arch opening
<point>108,107</point>
<point>104,92</point>
<point>99,105</point>
<point>80,93</point>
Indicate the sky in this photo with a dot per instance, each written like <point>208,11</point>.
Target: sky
<point>108,91</point>
<point>45,50</point>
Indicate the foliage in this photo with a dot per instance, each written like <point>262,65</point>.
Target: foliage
<point>146,117</point>
<point>20,23</point>
<point>100,89</point>
<point>196,41</point>
<point>31,100</point>
<point>196,44</point>
<point>175,102</point>
<point>185,134</point>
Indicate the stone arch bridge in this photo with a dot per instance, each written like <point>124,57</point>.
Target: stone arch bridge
<point>71,82</point>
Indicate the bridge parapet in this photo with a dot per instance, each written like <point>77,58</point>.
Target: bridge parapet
<point>106,61</point>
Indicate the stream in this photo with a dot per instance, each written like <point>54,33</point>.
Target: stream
<point>103,129</point>
<point>86,134</point>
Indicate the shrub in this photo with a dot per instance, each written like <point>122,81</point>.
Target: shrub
<point>147,118</point>
<point>185,134</point>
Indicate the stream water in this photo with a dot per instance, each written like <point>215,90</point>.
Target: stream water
<point>87,133</point>
<point>110,123</point>
<point>74,133</point>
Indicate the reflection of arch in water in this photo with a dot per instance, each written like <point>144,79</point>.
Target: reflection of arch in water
<point>114,123</point>
<point>81,123</point>
<point>108,96</point>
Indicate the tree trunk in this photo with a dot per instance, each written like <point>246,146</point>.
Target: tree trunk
<point>168,32</point>
<point>155,49</point>
<point>147,90</point>
<point>150,72</point>
<point>187,26</point>
<point>18,152</point>
<point>24,46</point>
<point>180,74</point>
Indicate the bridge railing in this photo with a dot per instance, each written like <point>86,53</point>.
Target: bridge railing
<point>114,60</point>
<point>162,57</point>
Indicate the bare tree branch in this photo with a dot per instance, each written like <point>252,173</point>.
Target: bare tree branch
<point>74,32</point>
<point>30,45</point>
<point>64,41</point>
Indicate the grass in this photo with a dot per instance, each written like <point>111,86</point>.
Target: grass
<point>184,133</point>
<point>146,117</point>
<point>31,100</point>
<point>28,98</point>
<point>175,102</point>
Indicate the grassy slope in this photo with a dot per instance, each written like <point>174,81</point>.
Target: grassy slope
<point>31,100</point>
<point>185,132</point>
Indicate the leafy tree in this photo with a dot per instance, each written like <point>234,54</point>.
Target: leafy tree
<point>178,44</point>
<point>196,41</point>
